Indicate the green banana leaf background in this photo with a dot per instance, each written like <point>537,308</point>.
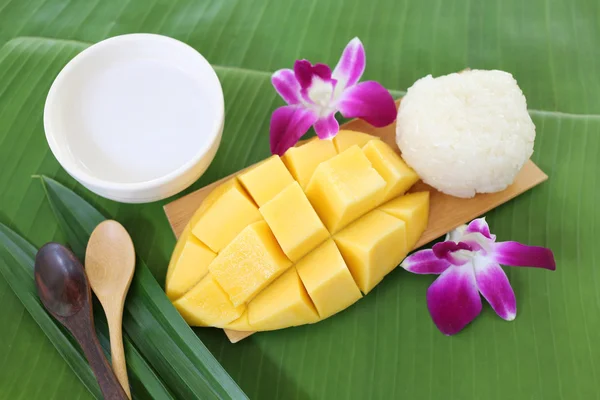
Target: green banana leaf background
<point>384,347</point>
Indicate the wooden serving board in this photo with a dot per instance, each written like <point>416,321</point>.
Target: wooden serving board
<point>445,213</point>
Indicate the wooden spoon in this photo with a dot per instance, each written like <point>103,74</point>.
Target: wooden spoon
<point>109,264</point>
<point>64,290</point>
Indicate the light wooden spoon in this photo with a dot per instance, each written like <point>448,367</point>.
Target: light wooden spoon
<point>109,265</point>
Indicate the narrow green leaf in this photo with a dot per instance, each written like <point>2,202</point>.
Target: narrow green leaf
<point>16,265</point>
<point>150,320</point>
<point>17,257</point>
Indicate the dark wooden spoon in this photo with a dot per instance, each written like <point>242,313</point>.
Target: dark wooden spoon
<point>65,292</point>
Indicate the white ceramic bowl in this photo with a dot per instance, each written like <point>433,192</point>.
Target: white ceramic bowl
<point>135,118</point>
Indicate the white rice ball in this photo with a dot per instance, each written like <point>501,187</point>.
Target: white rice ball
<point>467,132</point>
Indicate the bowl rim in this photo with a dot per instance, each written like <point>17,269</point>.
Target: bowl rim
<point>87,178</point>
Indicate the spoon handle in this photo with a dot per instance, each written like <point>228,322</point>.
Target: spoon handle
<point>109,385</point>
<point>117,354</point>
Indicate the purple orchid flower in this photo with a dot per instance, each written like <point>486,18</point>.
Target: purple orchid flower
<point>469,263</point>
<point>314,95</point>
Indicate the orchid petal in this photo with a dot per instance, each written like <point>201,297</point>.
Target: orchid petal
<point>520,255</point>
<point>477,242</point>
<point>287,86</point>
<point>288,124</point>
<point>453,299</point>
<point>351,65</point>
<point>456,234</point>
<point>322,71</point>
<point>452,252</point>
<point>304,72</point>
<point>442,249</point>
<point>495,287</point>
<point>327,127</point>
<point>425,262</point>
<point>481,226</point>
<point>369,101</point>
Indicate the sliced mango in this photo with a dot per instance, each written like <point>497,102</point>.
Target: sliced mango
<point>212,198</point>
<point>294,222</point>
<point>249,263</point>
<point>207,304</point>
<point>344,188</point>
<point>266,180</point>
<point>282,304</point>
<point>230,210</point>
<point>328,216</point>
<point>328,280</point>
<point>346,139</point>
<point>398,176</point>
<point>372,247</point>
<point>302,161</point>
<point>413,209</point>
<point>188,267</point>
<point>241,324</point>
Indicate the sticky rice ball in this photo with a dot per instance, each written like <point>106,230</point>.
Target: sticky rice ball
<point>467,132</point>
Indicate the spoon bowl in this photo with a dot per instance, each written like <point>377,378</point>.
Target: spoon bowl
<point>60,280</point>
<point>110,261</point>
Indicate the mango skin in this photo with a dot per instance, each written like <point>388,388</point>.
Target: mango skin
<point>301,283</point>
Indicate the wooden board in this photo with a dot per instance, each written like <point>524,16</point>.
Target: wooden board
<point>446,212</point>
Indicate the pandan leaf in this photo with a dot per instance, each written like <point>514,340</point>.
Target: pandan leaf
<point>17,258</point>
<point>149,318</point>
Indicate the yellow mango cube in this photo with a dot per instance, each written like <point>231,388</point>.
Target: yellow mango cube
<point>344,188</point>
<point>249,263</point>
<point>282,304</point>
<point>294,222</point>
<point>241,324</point>
<point>372,247</point>
<point>328,280</point>
<point>266,180</point>
<point>346,139</point>
<point>212,198</point>
<point>398,176</point>
<point>207,304</point>
<point>188,265</point>
<point>229,211</point>
<point>413,209</point>
<point>302,161</point>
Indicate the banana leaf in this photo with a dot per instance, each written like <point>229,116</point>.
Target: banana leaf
<point>386,345</point>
